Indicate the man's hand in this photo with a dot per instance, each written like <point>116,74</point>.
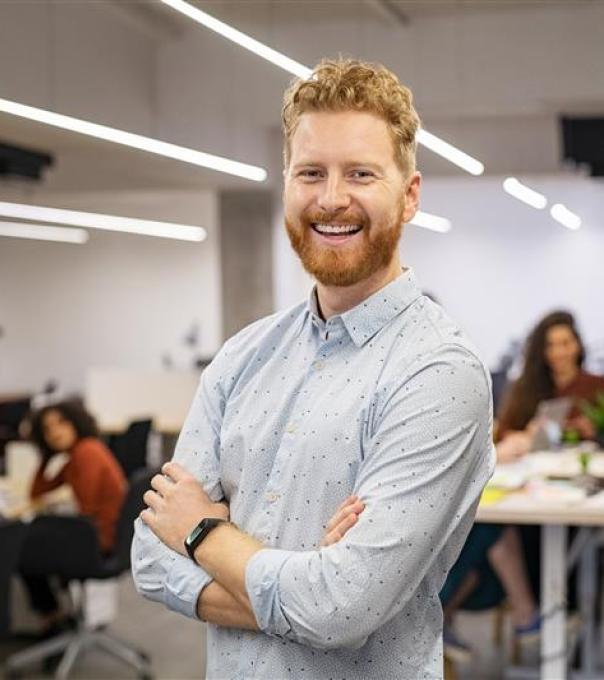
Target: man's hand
<point>177,503</point>
<point>345,518</point>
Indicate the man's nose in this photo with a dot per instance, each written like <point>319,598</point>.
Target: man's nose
<point>334,195</point>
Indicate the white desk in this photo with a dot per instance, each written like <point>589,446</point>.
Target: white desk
<point>518,508</point>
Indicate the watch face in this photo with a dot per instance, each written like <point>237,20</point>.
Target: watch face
<point>191,538</point>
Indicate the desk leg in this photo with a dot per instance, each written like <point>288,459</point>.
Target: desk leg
<point>587,587</point>
<point>553,602</point>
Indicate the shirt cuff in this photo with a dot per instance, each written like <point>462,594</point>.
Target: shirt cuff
<point>262,584</point>
<point>184,582</point>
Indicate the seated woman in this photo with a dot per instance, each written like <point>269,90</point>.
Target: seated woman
<point>553,368</point>
<point>492,564</point>
<point>99,487</point>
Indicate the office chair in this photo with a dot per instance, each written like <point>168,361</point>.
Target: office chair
<point>130,447</point>
<point>83,562</point>
<point>12,537</point>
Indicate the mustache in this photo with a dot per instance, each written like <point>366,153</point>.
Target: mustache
<point>322,217</point>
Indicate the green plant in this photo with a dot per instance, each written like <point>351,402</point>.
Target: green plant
<point>595,411</point>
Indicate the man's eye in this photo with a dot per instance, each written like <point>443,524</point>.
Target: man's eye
<point>310,174</point>
<point>363,174</point>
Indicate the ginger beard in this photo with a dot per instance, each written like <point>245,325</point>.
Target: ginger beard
<point>367,252</point>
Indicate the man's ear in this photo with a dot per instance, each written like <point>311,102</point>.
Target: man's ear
<point>412,190</point>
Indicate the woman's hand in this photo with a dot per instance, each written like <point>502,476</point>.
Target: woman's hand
<point>345,518</point>
<point>583,425</point>
<point>513,446</point>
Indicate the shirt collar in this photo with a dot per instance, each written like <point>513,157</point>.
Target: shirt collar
<point>370,316</point>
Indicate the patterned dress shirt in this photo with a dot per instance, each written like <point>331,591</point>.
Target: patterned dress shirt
<point>388,401</point>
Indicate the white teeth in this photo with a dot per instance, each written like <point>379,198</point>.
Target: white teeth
<point>336,228</point>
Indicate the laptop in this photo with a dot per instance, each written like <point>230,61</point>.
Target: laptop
<point>551,416</point>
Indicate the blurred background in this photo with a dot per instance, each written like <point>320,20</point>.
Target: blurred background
<point>126,321</point>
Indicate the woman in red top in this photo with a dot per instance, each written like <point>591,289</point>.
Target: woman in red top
<point>98,484</point>
<point>553,368</point>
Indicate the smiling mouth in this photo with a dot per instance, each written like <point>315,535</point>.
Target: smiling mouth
<point>336,229</point>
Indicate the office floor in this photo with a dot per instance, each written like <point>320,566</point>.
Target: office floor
<point>177,645</point>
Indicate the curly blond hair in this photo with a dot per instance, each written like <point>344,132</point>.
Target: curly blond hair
<point>351,85</point>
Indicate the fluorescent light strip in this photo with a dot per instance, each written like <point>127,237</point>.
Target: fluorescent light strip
<point>109,134</point>
<point>450,152</point>
<point>425,138</point>
<point>432,222</point>
<point>523,193</point>
<point>42,232</point>
<point>565,217</point>
<point>240,38</point>
<point>182,232</point>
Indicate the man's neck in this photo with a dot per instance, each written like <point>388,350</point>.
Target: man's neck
<point>339,299</point>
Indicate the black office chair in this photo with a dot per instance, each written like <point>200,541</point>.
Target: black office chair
<point>84,561</point>
<point>12,537</point>
<point>130,447</point>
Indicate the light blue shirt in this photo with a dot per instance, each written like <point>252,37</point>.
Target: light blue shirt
<point>388,401</point>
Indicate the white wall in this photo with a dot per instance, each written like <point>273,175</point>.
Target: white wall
<point>120,300</point>
<point>503,265</point>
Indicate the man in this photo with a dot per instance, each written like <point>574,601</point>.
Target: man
<point>367,389</point>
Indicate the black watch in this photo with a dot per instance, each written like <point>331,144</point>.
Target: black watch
<point>199,533</point>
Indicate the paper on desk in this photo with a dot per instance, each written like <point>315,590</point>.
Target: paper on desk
<point>510,475</point>
<point>595,502</point>
<point>596,465</point>
<point>560,464</point>
<point>557,492</point>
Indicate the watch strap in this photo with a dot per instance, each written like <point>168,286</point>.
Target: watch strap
<point>199,533</point>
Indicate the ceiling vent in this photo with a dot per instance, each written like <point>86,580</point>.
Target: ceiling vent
<point>20,163</point>
<point>583,142</point>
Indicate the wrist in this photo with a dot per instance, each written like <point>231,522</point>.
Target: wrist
<point>206,544</point>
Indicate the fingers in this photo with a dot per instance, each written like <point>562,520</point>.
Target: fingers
<point>174,471</point>
<point>351,505</point>
<point>161,484</point>
<point>152,499</point>
<point>340,530</point>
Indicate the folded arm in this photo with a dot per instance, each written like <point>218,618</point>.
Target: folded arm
<point>430,457</point>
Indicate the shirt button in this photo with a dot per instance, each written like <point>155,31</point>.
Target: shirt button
<point>272,497</point>
<point>318,365</point>
<point>291,427</point>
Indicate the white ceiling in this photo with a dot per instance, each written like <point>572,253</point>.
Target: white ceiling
<point>490,76</point>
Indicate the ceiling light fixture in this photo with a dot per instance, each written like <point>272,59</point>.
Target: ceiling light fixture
<point>565,216</point>
<point>43,232</point>
<point>109,134</point>
<point>450,152</point>
<point>240,38</point>
<point>432,222</point>
<point>425,138</point>
<point>182,232</point>
<point>523,193</point>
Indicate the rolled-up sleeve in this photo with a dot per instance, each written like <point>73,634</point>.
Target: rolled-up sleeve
<point>160,574</point>
<point>429,457</point>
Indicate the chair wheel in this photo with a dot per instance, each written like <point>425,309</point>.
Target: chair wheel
<point>145,676</point>
<point>11,674</point>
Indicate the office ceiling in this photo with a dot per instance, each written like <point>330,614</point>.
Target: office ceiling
<point>490,76</point>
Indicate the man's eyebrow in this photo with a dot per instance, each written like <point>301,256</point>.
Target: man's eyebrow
<point>348,164</point>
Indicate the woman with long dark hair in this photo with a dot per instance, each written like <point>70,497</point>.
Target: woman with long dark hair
<point>98,485</point>
<point>553,367</point>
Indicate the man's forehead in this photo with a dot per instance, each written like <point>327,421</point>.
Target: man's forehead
<point>352,134</point>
